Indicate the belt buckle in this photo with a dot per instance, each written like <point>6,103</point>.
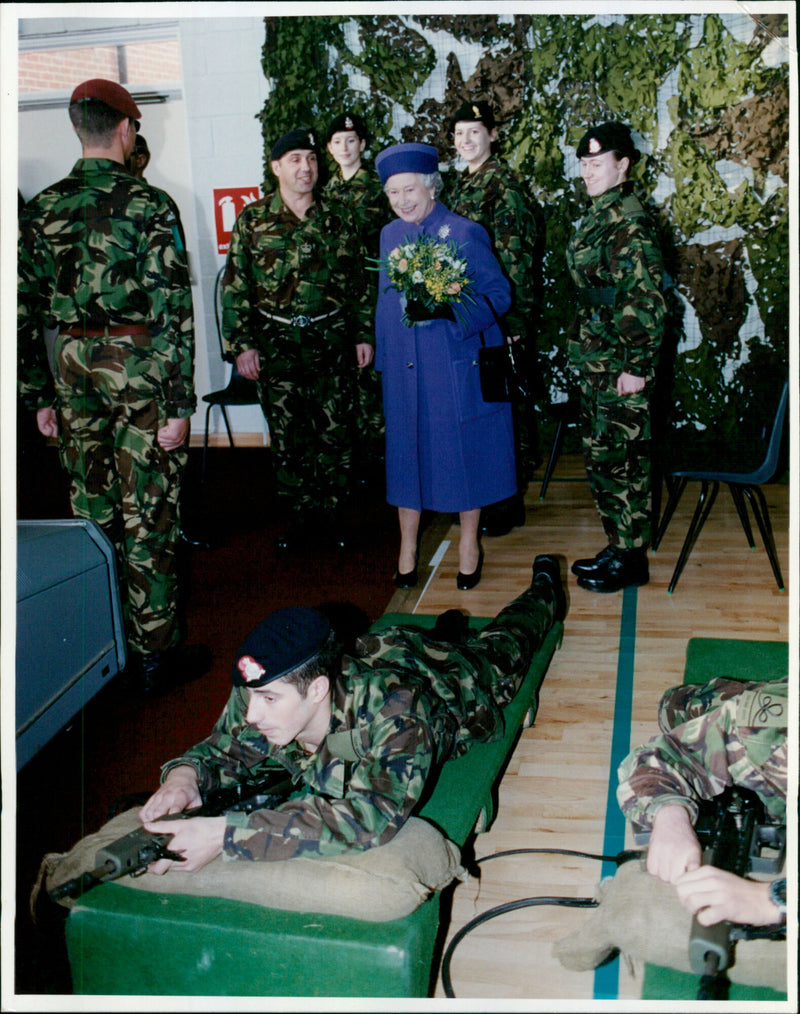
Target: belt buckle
<point>300,320</point>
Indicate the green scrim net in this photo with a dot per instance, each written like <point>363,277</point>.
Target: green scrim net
<point>708,98</point>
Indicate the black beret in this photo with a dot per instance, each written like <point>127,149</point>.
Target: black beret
<point>609,137</point>
<point>285,640</point>
<point>347,121</point>
<point>300,139</point>
<point>473,112</point>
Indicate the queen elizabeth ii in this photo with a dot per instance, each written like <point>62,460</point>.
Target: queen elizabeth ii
<point>447,450</point>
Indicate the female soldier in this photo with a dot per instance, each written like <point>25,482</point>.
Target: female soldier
<point>615,263</point>
<point>492,194</point>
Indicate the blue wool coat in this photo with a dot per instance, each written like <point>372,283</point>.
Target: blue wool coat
<point>446,449</point>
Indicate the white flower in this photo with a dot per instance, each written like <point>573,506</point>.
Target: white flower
<point>417,277</point>
<point>444,232</point>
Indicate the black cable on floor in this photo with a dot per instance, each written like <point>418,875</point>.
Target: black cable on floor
<point>511,906</point>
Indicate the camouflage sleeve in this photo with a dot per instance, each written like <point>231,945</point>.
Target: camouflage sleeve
<point>34,378</point>
<point>165,269</point>
<point>515,234</point>
<point>237,309</point>
<point>635,264</point>
<point>381,792</point>
<point>740,742</point>
<point>347,236</point>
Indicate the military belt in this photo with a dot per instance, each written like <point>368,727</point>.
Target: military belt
<point>597,297</point>
<point>105,331</point>
<point>299,319</point>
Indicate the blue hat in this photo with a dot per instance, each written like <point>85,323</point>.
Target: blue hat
<point>287,639</point>
<point>407,158</point>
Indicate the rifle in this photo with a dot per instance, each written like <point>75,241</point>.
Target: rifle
<point>733,836</point>
<point>133,852</point>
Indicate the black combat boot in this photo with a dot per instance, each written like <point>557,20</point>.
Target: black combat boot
<point>499,518</point>
<point>547,574</point>
<point>158,672</point>
<point>624,568</point>
<point>584,568</point>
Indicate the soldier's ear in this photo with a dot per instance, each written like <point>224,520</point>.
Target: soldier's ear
<point>319,688</point>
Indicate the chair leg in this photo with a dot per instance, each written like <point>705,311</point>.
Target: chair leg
<point>701,512</point>
<point>227,425</point>
<point>741,510</point>
<point>758,504</point>
<point>205,446</point>
<point>555,452</point>
<point>676,488</point>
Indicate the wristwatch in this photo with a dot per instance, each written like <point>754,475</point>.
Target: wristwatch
<point>777,894</point>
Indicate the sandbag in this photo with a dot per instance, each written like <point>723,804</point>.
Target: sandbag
<point>641,916</point>
<point>382,883</point>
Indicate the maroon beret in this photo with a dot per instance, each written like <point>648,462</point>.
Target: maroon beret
<point>111,93</point>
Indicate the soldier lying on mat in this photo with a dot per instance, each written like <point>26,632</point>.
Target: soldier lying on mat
<point>361,735</point>
<point>719,734</point>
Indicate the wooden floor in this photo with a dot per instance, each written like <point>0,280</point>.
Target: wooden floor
<point>554,793</point>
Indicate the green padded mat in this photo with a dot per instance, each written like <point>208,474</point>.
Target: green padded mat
<point>707,658</point>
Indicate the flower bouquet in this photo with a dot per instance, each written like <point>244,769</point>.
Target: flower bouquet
<point>430,274</point>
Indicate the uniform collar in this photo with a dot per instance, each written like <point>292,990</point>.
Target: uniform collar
<point>612,196</point>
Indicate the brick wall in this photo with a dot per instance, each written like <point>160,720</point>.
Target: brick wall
<point>56,69</point>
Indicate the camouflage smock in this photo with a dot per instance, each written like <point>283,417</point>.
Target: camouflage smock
<point>363,195</point>
<point>98,247</point>
<point>614,251</point>
<point>284,265</point>
<point>413,700</point>
<point>495,197</point>
<point>715,735</point>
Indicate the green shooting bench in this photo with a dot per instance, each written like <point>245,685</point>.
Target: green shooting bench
<point>707,658</point>
<point>129,942</point>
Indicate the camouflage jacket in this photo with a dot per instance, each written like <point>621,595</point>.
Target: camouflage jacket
<point>98,247</point>
<point>496,198</point>
<point>364,196</point>
<point>615,262</point>
<point>730,733</point>
<point>411,703</point>
<point>280,264</point>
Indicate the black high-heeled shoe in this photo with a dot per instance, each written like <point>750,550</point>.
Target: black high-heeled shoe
<point>464,582</point>
<point>408,580</point>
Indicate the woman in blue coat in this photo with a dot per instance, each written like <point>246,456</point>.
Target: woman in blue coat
<point>447,450</point>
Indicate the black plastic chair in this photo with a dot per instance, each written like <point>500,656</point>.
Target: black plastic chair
<point>238,391</point>
<point>741,484</point>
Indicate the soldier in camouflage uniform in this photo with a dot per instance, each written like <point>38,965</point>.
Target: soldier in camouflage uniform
<point>615,262</point>
<point>362,745</point>
<point>295,317</point>
<point>719,734</point>
<point>358,188</point>
<point>492,194</point>
<point>102,260</point>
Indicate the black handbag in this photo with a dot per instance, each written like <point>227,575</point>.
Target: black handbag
<point>501,377</point>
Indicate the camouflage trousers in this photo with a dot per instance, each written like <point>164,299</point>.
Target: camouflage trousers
<point>615,432</point>
<point>120,477</point>
<point>307,389</point>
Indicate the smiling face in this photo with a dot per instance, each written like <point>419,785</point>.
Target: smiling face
<point>297,172</point>
<point>602,172</point>
<point>473,142</point>
<point>282,714</point>
<point>346,147</point>
<point>409,198</point>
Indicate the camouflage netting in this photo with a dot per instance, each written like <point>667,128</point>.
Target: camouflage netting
<point>707,96</point>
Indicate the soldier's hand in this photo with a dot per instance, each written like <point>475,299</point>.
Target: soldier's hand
<point>364,354</point>
<point>47,421</point>
<point>673,847</point>
<point>178,793</point>
<point>249,364</point>
<point>627,383</point>
<point>713,895</point>
<point>198,840</point>
<point>173,434</point>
